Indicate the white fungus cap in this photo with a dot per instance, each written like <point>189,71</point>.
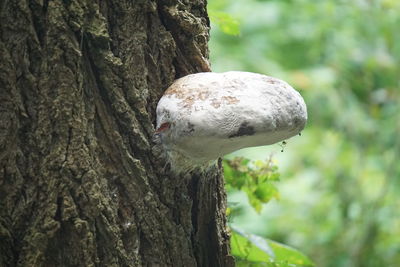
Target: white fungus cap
<point>204,116</point>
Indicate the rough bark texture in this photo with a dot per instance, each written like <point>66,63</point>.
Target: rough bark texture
<point>80,184</point>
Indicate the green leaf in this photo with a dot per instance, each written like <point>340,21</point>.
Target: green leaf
<point>243,248</point>
<point>255,178</point>
<point>256,249</point>
<point>289,254</point>
<point>266,191</point>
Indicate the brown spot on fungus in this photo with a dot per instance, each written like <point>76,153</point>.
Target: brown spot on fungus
<point>244,129</point>
<point>215,103</point>
<point>230,100</point>
<point>188,102</point>
<point>203,95</point>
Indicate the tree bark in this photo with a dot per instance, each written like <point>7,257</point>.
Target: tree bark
<point>80,182</point>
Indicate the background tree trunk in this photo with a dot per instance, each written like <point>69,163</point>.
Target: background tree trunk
<point>79,183</point>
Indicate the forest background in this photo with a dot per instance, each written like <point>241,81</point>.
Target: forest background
<point>336,198</point>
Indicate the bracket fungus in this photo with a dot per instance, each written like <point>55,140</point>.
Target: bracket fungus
<point>204,116</point>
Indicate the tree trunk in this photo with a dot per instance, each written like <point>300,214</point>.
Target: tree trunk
<point>80,182</point>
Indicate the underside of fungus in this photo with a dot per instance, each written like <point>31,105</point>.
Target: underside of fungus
<point>204,116</point>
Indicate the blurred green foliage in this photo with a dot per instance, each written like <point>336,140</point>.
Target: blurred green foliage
<point>340,180</point>
<point>257,179</point>
<point>225,22</point>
